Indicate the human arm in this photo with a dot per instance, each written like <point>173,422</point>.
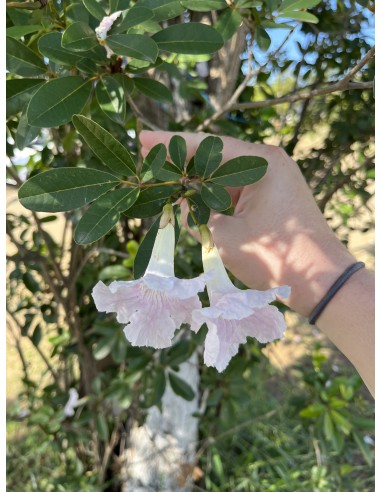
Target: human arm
<point>278,236</point>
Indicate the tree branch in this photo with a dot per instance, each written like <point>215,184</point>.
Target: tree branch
<point>231,103</point>
<point>342,85</point>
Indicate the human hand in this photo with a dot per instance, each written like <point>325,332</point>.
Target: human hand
<point>277,235</point>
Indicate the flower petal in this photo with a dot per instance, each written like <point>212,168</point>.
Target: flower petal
<point>175,287</point>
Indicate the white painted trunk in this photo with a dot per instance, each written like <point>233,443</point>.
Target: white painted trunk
<point>161,454</point>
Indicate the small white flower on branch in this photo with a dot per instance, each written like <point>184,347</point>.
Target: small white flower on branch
<point>234,314</point>
<point>71,403</point>
<point>155,305</point>
<point>103,28</point>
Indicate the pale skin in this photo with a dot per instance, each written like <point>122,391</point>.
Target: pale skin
<point>278,236</point>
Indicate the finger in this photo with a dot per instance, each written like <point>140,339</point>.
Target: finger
<point>149,139</point>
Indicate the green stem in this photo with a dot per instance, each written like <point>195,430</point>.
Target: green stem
<point>192,213</point>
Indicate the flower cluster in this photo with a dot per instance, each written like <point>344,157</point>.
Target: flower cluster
<point>154,306</point>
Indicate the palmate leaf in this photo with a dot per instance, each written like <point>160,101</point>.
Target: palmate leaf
<point>50,46</point>
<point>56,102</point>
<point>178,151</point>
<point>21,60</point>
<point>65,188</point>
<point>204,5</point>
<point>240,171</point>
<point>19,92</point>
<point>180,387</point>
<point>111,98</point>
<point>154,89</point>
<point>130,18</point>
<point>162,9</point>
<point>105,146</point>
<point>152,200</point>
<point>103,214</point>
<point>191,38</point>
<point>215,196</point>
<point>134,45</point>
<point>208,156</point>
<point>79,37</point>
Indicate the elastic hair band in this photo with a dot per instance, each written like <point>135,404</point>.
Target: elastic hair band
<point>333,290</point>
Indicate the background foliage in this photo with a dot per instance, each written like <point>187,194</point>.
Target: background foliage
<point>309,428</point>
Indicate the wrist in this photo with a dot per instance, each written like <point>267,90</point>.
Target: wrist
<point>314,270</point>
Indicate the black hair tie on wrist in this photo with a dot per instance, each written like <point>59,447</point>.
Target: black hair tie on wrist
<point>333,290</point>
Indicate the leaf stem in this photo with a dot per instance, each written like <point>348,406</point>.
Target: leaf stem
<point>192,213</point>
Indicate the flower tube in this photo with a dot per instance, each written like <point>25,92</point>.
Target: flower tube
<point>155,305</point>
<point>103,28</point>
<point>234,314</point>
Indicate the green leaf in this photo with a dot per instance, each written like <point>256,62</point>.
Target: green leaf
<point>114,272</point>
<point>364,448</point>
<point>56,101</point>
<point>37,335</point>
<point>151,201</point>
<point>103,348</point>
<point>111,99</point>
<point>125,82</point>
<point>204,5</point>
<point>19,92</point>
<point>154,162</point>
<point>101,427</point>
<point>328,427</point>
<point>18,32</point>
<point>95,8</point>
<point>134,45</point>
<point>65,188</point>
<point>119,350</point>
<point>86,65</point>
<point>162,9</point>
<point>298,4</point>
<point>105,146</point>
<point>312,411</point>
<point>240,171</point>
<point>21,60</point>
<point>145,249</point>
<point>154,89</point>
<point>191,38</point>
<point>180,387</point>
<point>178,353</point>
<point>168,172</point>
<point>228,23</point>
<point>50,46</point>
<point>130,18</point>
<point>342,422</point>
<point>178,151</point>
<point>30,282</point>
<point>25,133</point>
<point>215,196</point>
<point>199,209</point>
<point>103,214</point>
<point>300,16</point>
<point>79,37</point>
<point>208,156</point>
<point>262,38</point>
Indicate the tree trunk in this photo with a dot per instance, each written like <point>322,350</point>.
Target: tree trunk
<point>161,454</point>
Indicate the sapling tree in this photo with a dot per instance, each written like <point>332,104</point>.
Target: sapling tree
<point>83,79</point>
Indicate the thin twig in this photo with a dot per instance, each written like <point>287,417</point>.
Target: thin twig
<point>231,103</point>
<point>342,85</point>
<point>141,117</point>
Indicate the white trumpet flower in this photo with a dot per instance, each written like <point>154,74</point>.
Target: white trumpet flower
<point>103,28</point>
<point>71,403</point>
<point>155,305</point>
<point>234,314</point>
